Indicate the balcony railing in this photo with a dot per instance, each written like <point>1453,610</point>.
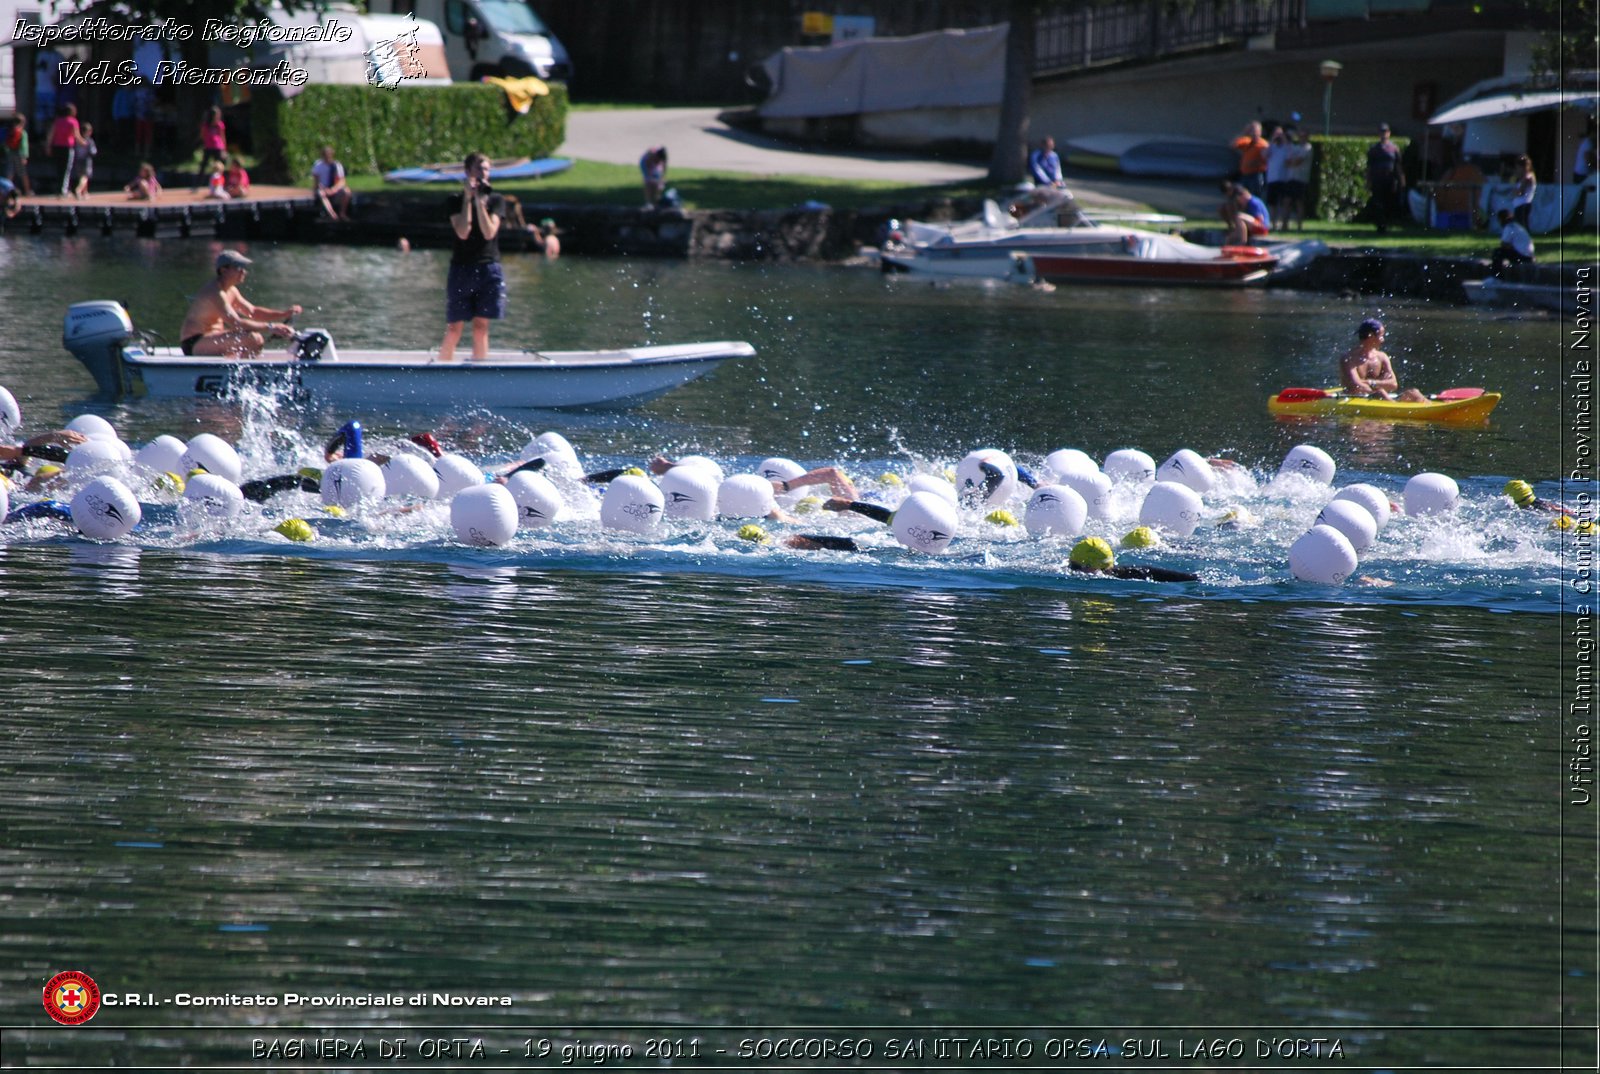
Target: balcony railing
<point>1098,34</point>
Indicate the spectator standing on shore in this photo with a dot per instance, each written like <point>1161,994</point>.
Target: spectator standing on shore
<point>1386,180</point>
<point>653,169</point>
<point>1516,245</point>
<point>63,140</point>
<point>327,176</point>
<point>1252,150</point>
<point>16,154</point>
<point>1526,186</point>
<point>213,141</point>
<point>83,161</point>
<point>1279,149</point>
<point>476,290</point>
<point>1044,164</point>
<point>1299,181</point>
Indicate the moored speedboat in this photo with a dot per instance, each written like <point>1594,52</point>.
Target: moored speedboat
<point>102,336</point>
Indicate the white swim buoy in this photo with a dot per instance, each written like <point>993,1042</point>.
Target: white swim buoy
<point>105,509</point>
<point>10,416</point>
<point>484,515</point>
<point>212,497</point>
<point>745,496</point>
<point>455,472</point>
<point>538,500</point>
<point>350,483</point>
<point>925,522</point>
<point>163,455</point>
<point>690,492</point>
<point>93,426</point>
<point>633,504</point>
<point>780,469</point>
<point>1055,511</point>
<point>1372,498</point>
<point>558,454</point>
<point>214,455</point>
<point>409,475</point>
<point>95,456</point>
<point>702,460</point>
<point>971,481</point>
<point>934,484</point>
<point>1173,506</point>
<point>1095,489</point>
<point>1310,462</point>
<point>1188,467</point>
<point>1070,461</point>
<point>1352,520</point>
<point>1129,464</point>
<point>1431,494</point>
<point>1322,555</point>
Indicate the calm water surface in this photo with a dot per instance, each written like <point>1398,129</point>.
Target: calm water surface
<point>690,783</point>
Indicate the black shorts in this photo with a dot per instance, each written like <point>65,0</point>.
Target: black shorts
<point>187,346</point>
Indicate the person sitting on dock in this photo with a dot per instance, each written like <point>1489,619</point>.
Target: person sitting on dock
<point>1365,370</point>
<point>144,186</point>
<point>235,180</point>
<point>1516,245</point>
<point>221,321</point>
<point>328,176</point>
<point>1245,214</point>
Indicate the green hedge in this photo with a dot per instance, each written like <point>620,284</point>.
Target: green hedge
<point>375,129</point>
<point>1339,177</point>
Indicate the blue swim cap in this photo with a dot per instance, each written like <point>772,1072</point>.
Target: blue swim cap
<point>1369,327</point>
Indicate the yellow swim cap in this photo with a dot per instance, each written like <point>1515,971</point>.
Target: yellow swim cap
<point>633,471</point>
<point>333,509</point>
<point>890,478</point>
<point>168,482</point>
<point>1093,554</point>
<point>1001,517</point>
<point>1140,537</point>
<point>1521,493</point>
<point>1562,522</point>
<point>296,529</point>
<point>807,505</point>
<point>47,470</point>
<point>752,532</point>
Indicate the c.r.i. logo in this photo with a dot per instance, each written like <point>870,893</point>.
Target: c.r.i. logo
<point>71,998</point>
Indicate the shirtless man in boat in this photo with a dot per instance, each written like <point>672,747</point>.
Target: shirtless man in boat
<point>1366,371</point>
<point>221,322</point>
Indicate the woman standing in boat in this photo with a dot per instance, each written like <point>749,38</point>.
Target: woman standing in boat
<point>476,290</point>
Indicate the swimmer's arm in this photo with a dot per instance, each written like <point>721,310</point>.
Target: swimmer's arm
<point>821,542</point>
<point>62,437</point>
<point>838,483</point>
<point>876,512</point>
<point>1152,574</point>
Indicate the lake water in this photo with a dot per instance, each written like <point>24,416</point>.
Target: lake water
<point>692,790</point>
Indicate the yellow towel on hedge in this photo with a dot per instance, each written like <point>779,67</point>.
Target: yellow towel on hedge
<point>520,92</point>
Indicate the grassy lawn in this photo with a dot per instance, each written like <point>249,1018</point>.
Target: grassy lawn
<point>592,183</point>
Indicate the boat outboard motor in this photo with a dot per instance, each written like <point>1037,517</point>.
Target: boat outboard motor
<point>315,345</point>
<point>95,333</point>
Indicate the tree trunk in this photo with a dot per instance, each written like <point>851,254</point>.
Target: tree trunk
<point>1009,164</point>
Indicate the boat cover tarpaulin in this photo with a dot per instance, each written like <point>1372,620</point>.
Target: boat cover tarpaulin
<point>946,69</point>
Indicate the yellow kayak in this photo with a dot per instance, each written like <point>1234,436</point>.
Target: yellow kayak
<point>1458,405</point>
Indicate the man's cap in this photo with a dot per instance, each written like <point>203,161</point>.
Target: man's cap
<point>233,259</point>
<point>548,221</point>
<point>1383,126</point>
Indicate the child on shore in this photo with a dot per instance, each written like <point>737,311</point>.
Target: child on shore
<point>83,161</point>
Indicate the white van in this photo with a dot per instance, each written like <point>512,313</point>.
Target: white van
<point>499,38</point>
<point>348,48</point>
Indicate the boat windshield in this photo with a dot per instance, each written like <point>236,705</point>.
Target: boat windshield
<point>511,17</point>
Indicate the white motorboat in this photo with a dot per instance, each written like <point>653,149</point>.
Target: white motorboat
<point>1063,243</point>
<point>1492,291</point>
<point>102,336</point>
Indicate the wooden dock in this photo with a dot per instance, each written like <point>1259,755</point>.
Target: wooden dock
<point>269,212</point>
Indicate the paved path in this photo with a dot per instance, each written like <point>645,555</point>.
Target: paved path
<point>695,138</point>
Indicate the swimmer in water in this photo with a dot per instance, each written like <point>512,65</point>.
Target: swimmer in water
<point>1093,555</point>
<point>1521,494</point>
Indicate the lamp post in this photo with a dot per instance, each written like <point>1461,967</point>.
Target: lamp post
<point>1330,70</point>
